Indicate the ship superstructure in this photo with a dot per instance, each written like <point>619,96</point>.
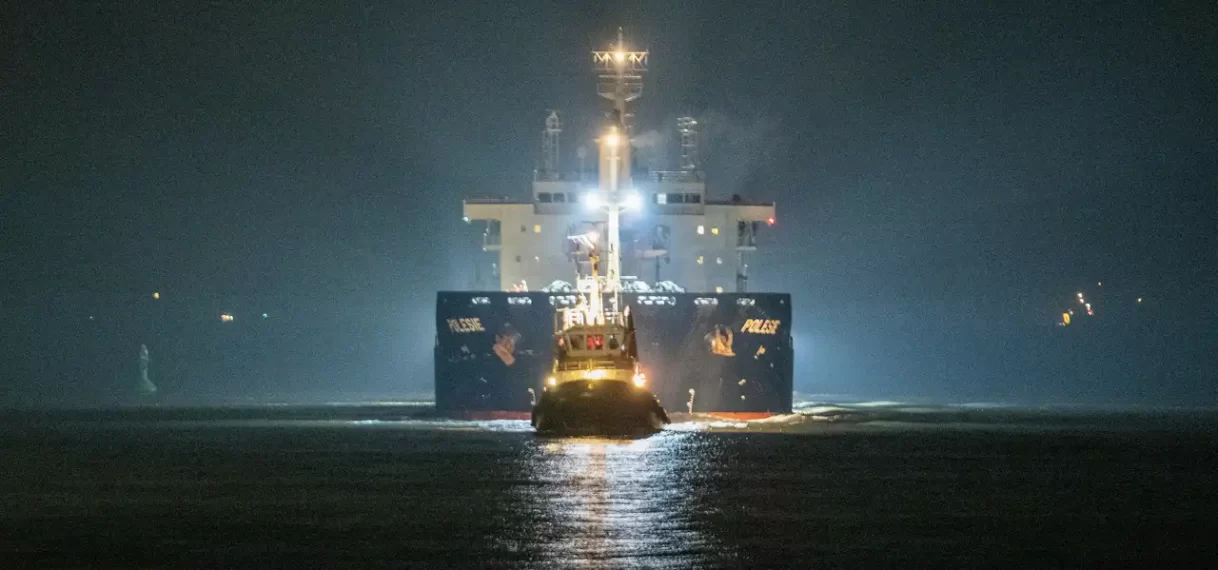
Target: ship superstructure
<point>676,257</point>
<point>678,236</point>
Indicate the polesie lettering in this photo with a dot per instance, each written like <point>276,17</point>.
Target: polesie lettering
<point>466,325</point>
<point>761,326</point>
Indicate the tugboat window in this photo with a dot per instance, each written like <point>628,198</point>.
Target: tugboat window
<point>544,197</point>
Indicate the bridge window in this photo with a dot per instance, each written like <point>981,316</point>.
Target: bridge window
<point>701,230</point>
<point>693,198</point>
<point>661,198</point>
<point>560,197</point>
<point>536,228</point>
<point>545,197</point>
<point>676,198</point>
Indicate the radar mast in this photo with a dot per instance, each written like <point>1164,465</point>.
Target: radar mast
<point>619,79</point>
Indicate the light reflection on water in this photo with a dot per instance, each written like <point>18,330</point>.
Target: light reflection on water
<point>605,503</point>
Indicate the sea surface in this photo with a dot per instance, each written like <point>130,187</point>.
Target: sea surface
<point>389,486</point>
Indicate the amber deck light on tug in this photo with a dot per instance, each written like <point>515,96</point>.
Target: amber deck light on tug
<point>596,386</point>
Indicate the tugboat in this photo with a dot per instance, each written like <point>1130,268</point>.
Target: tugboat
<point>597,386</point>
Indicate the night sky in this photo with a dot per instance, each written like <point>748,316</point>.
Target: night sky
<point>943,170</point>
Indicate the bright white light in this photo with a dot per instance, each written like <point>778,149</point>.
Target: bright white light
<point>592,201</point>
<point>597,374</point>
<point>634,201</point>
<point>593,236</point>
<point>640,379</point>
<point>612,139</point>
<point>551,381</point>
<point>619,56</point>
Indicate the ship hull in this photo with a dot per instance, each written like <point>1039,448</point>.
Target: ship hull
<point>494,350</point>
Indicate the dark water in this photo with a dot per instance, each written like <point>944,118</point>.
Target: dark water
<point>162,490</point>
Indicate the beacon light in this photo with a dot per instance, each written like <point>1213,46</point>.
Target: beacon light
<point>634,201</point>
<point>592,200</point>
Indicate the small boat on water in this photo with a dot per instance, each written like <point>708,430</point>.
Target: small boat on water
<point>597,386</point>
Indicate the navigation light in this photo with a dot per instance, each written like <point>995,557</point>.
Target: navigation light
<point>634,201</point>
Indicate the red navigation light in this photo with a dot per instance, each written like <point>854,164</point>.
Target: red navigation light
<point>770,220</point>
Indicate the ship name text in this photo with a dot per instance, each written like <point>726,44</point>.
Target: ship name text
<point>761,326</point>
<point>469,325</point>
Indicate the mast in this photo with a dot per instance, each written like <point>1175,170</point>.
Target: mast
<point>620,80</point>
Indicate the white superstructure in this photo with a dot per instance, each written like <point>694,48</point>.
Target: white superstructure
<point>659,226</point>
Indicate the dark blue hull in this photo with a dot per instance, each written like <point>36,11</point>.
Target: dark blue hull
<point>734,350</point>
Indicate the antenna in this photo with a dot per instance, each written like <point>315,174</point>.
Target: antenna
<point>549,147</point>
<point>620,75</point>
<point>688,128</point>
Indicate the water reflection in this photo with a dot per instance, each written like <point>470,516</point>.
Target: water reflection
<point>605,503</point>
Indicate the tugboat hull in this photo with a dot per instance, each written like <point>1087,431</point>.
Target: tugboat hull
<point>600,408</point>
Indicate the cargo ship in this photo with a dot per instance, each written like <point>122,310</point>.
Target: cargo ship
<point>681,264</point>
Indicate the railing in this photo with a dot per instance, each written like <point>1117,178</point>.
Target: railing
<point>738,201</point>
<point>499,200</point>
<point>676,176</point>
<point>595,364</point>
